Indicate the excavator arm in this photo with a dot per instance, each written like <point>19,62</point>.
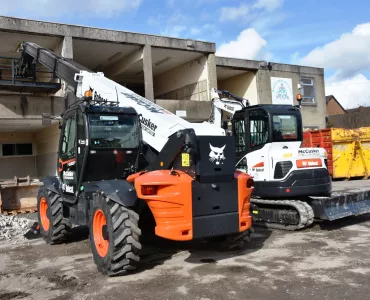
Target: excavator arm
<point>224,101</point>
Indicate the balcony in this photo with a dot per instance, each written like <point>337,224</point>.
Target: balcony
<point>34,80</point>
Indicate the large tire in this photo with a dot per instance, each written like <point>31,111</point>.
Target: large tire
<point>114,236</point>
<point>54,228</point>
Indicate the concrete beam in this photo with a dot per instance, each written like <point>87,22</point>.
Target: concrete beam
<point>90,33</point>
<point>255,65</point>
<point>148,72</point>
<point>197,111</point>
<point>120,66</point>
<point>29,107</point>
<point>297,69</point>
<point>237,63</point>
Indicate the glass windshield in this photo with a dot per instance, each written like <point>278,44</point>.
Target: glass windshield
<point>284,128</point>
<point>108,131</point>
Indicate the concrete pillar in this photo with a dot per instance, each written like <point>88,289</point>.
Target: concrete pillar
<point>64,49</point>
<point>148,72</point>
<point>67,47</point>
<point>118,67</point>
<point>212,73</point>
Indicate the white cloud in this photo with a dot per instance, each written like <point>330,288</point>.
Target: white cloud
<point>350,92</point>
<point>247,12</point>
<point>234,13</point>
<point>349,55</point>
<point>174,31</point>
<point>248,45</point>
<point>56,8</point>
<point>269,5</point>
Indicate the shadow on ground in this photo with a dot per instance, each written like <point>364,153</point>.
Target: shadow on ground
<point>344,222</point>
<point>156,251</point>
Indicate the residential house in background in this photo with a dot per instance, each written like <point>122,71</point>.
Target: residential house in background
<point>333,107</point>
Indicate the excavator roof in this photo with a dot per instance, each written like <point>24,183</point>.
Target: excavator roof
<point>275,108</point>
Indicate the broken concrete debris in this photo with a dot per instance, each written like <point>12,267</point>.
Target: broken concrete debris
<point>14,227</point>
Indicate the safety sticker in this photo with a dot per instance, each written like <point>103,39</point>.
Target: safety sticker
<point>185,159</point>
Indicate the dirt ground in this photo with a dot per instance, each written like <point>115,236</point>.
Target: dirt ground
<point>327,261</point>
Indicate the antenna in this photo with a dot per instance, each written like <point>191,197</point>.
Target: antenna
<point>117,95</point>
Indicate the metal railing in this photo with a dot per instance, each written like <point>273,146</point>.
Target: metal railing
<point>38,76</point>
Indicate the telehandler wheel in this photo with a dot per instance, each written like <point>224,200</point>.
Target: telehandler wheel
<point>54,228</point>
<point>114,236</point>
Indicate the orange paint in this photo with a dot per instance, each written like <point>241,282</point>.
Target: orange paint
<point>132,177</point>
<point>101,245</point>
<point>244,198</point>
<point>309,163</point>
<point>62,163</point>
<point>259,165</point>
<point>45,222</point>
<point>171,205</point>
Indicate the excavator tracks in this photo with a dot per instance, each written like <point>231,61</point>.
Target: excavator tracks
<point>281,214</point>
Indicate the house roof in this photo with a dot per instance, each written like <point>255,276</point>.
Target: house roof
<point>328,98</point>
<point>353,118</point>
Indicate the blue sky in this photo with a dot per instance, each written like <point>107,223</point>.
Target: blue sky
<point>334,34</point>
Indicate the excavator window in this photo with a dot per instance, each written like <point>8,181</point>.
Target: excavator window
<point>284,128</point>
<point>259,128</point>
<point>240,136</point>
<point>113,131</point>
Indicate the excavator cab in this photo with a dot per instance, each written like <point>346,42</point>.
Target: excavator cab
<point>266,124</point>
<point>268,147</point>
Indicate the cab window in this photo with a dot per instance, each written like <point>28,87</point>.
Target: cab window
<point>259,128</point>
<point>240,136</point>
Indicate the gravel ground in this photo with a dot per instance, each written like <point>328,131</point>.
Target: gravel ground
<point>327,261</point>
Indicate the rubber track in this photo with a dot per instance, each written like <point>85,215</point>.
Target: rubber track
<point>305,211</point>
<point>61,226</point>
<point>126,236</point>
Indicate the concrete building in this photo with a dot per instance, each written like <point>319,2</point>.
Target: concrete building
<point>175,73</point>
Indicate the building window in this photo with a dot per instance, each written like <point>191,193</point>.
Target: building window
<point>16,149</point>
<point>308,91</point>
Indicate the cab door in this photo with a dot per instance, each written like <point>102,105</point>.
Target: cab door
<point>67,160</point>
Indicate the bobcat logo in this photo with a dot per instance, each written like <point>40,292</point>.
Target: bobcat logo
<point>217,154</point>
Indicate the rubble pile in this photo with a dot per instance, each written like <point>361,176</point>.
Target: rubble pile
<point>13,227</point>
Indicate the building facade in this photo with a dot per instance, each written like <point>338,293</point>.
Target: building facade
<point>175,73</point>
